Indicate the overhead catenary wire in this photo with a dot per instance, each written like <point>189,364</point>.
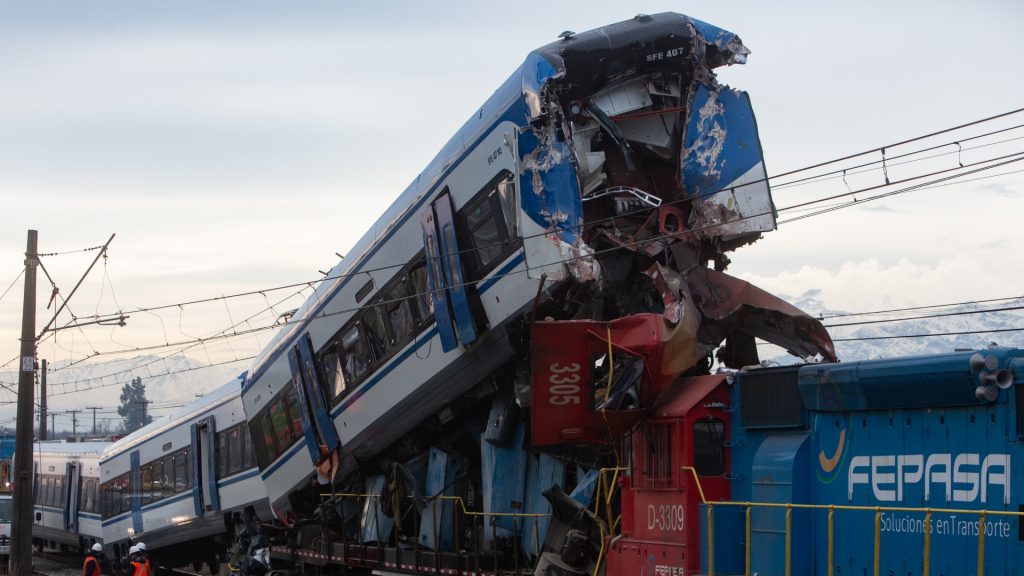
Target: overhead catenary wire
<point>689,199</point>
<point>942,315</point>
<point>928,335</point>
<point>323,314</point>
<point>223,297</point>
<point>1017,156</point>
<point>914,308</point>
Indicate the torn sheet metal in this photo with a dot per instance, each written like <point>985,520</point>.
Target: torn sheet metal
<point>730,304</point>
<point>723,166</point>
<point>552,207</point>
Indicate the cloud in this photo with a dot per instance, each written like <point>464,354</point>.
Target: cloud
<point>883,208</point>
<point>1002,189</point>
<point>869,284</point>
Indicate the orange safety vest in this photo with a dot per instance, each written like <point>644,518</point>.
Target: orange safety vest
<point>85,567</point>
<point>138,568</point>
<point>148,567</point>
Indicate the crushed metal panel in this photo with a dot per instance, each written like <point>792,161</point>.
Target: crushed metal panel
<point>723,166</point>
<point>730,304</point>
<point>552,210</point>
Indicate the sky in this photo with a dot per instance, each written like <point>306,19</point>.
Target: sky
<point>239,146</point>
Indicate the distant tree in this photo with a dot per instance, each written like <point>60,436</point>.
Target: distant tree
<point>133,406</point>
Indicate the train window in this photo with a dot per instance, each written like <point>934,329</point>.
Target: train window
<point>293,413</point>
<point>147,484</point>
<point>281,425</point>
<point>421,290</point>
<point>125,489</point>
<point>483,229</point>
<point>167,476</point>
<point>658,468</point>
<point>265,447</point>
<point>181,480</point>
<point>709,447</point>
<point>357,354</point>
<point>248,460</point>
<point>234,450</point>
<point>334,376</point>
<point>376,335</point>
<point>398,309</point>
<point>58,491</point>
<point>105,500</point>
<point>84,496</point>
<point>490,224</point>
<point>222,454</point>
<point>157,486</point>
<point>365,290</point>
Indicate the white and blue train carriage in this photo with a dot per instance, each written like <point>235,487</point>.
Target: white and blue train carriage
<point>66,495</point>
<point>432,299</point>
<point>179,483</point>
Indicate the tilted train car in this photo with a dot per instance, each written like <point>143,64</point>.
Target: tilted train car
<point>545,279</point>
<point>179,483</point>
<point>66,495</point>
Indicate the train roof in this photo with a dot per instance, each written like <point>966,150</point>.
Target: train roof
<point>584,61</point>
<point>176,416</point>
<point>70,448</point>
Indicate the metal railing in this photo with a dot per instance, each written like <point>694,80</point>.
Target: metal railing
<point>831,508</point>
<point>507,562</point>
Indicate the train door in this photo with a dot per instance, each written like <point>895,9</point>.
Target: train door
<point>317,428</point>
<point>72,479</point>
<point>135,490</point>
<point>204,466</point>
<point>446,274</point>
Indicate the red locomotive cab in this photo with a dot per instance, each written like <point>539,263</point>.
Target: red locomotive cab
<point>684,436</point>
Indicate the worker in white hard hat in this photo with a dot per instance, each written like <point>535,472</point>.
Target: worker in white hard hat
<point>135,565</point>
<point>91,567</point>
<point>144,558</point>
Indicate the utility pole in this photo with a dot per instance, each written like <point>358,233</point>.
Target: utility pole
<point>42,402</point>
<point>21,519</point>
<point>94,409</point>
<point>53,423</point>
<point>74,422</point>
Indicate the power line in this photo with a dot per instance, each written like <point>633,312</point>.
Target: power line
<point>882,149</point>
<point>90,249</point>
<point>200,341</point>
<point>620,216</point>
<point>913,188</point>
<point>323,315</point>
<point>190,369</point>
<point>943,315</point>
<point>928,335</point>
<point>856,169</point>
<point>12,286</point>
<point>913,308</point>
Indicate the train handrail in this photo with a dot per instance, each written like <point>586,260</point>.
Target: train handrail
<point>831,508</point>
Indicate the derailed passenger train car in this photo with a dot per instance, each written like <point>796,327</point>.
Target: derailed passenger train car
<point>66,495</point>
<point>182,483</point>
<point>554,270</point>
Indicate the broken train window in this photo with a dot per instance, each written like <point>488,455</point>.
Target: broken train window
<point>490,224</point>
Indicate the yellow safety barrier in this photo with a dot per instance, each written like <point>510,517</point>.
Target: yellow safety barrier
<point>831,508</point>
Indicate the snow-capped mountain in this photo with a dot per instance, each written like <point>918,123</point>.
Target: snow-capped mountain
<point>861,340</point>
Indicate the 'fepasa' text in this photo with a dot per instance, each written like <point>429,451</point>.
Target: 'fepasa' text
<point>962,478</point>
